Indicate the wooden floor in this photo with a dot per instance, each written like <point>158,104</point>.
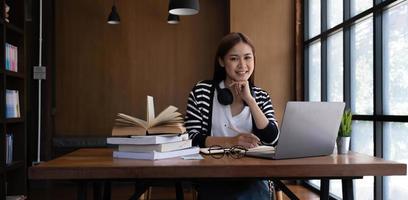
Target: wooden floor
<point>67,191</point>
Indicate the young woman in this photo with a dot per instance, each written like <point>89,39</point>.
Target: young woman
<point>228,111</point>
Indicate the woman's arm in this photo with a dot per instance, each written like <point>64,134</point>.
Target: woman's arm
<point>269,133</point>
<point>242,89</point>
<point>193,121</point>
<point>260,119</point>
<point>266,127</point>
<point>247,140</point>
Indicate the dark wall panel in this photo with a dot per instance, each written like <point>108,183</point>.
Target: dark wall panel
<point>104,69</point>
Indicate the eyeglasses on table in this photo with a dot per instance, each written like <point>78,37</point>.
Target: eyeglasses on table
<point>236,151</point>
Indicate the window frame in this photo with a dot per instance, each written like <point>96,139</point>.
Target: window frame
<point>378,117</point>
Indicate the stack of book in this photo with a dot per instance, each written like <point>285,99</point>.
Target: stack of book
<point>16,197</point>
<point>152,147</point>
<point>156,138</point>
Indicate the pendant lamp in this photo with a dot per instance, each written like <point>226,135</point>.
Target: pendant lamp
<point>173,19</point>
<point>184,7</point>
<point>114,16</point>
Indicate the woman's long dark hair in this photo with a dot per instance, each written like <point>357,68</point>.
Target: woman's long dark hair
<point>227,43</point>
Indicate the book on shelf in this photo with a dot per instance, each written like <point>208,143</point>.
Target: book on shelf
<point>12,104</point>
<point>147,139</point>
<point>16,197</point>
<point>11,57</point>
<point>6,12</point>
<point>171,146</point>
<point>153,155</point>
<point>9,148</point>
<point>169,121</point>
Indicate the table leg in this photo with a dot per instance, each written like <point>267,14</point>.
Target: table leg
<point>347,185</point>
<point>97,190</point>
<point>82,190</point>
<point>179,191</point>
<point>324,188</point>
<point>107,190</point>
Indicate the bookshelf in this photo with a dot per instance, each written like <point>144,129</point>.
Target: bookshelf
<point>13,99</point>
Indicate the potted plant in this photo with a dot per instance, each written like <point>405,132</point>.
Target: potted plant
<point>343,139</point>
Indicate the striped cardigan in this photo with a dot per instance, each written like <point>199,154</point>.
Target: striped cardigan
<point>199,114</point>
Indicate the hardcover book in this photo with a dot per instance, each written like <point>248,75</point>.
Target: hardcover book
<point>147,139</point>
<point>169,121</point>
<point>171,146</point>
<point>9,149</point>
<point>12,104</point>
<point>153,155</point>
<point>11,57</point>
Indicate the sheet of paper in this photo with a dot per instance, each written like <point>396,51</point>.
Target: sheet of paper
<point>262,148</point>
<point>193,157</point>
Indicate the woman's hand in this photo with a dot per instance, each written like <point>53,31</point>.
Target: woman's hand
<point>241,89</point>
<point>247,140</point>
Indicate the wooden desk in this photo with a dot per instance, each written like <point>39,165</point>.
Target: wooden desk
<point>97,164</point>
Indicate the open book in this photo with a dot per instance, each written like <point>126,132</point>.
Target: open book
<point>167,122</point>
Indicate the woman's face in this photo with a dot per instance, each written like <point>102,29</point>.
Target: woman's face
<point>238,62</point>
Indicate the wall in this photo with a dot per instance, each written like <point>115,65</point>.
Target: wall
<point>103,69</point>
<point>271,26</point>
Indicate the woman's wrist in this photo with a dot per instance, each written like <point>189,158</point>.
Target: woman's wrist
<point>251,102</point>
<point>222,141</point>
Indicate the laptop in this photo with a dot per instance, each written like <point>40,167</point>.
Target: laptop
<point>308,129</point>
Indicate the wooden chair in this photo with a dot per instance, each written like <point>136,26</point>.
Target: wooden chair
<point>280,189</point>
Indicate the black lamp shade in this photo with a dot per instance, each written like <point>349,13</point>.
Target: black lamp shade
<point>114,16</point>
<point>184,7</point>
<point>173,19</point>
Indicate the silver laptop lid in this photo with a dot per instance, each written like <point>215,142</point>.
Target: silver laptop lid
<point>309,129</point>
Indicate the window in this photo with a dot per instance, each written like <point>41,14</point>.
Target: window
<point>395,62</point>
<point>314,17</point>
<point>362,141</point>
<point>356,52</point>
<point>361,63</point>
<point>358,6</point>
<point>335,67</point>
<point>335,8</point>
<point>314,72</point>
<point>395,137</point>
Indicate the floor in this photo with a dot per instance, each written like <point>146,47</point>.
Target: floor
<point>45,190</point>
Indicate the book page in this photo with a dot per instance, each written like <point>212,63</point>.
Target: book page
<point>150,110</point>
<point>133,120</point>
<point>167,114</point>
<point>128,130</point>
<point>163,129</point>
<point>262,148</point>
<point>175,121</point>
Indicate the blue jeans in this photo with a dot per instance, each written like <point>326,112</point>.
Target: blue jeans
<point>234,190</point>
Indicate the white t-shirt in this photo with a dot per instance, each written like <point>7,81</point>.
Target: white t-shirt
<point>222,119</point>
